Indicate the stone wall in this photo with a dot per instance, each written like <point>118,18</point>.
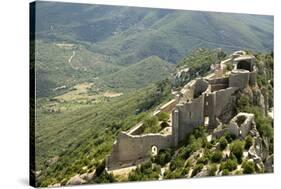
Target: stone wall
<point>175,127</point>
<point>200,86</point>
<point>223,98</point>
<point>239,78</point>
<point>219,83</point>
<point>137,129</point>
<point>169,106</point>
<point>129,148</point>
<point>222,80</point>
<point>194,89</point>
<point>242,129</point>
<point>191,115</point>
<point>253,78</point>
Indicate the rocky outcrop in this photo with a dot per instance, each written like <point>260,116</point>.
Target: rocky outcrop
<point>203,173</point>
<point>76,180</point>
<point>88,176</point>
<point>81,179</point>
<point>268,165</point>
<point>256,97</point>
<point>262,147</point>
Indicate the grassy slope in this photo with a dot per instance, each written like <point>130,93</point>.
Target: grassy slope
<point>151,69</point>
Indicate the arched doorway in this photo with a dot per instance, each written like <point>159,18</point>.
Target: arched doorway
<point>154,150</point>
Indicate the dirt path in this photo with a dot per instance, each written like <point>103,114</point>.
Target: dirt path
<point>71,57</point>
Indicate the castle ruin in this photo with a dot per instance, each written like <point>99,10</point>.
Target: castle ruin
<point>203,101</point>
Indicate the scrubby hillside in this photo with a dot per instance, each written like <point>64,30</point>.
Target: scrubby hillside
<point>140,74</point>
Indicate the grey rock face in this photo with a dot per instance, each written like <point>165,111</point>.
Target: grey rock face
<point>76,180</point>
<point>268,166</point>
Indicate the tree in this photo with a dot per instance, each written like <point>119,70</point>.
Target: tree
<point>248,142</point>
<point>229,164</point>
<point>100,168</point>
<point>176,163</point>
<point>223,143</point>
<point>195,144</point>
<point>146,171</point>
<point>237,148</point>
<point>225,172</point>
<point>248,167</point>
<point>264,126</point>
<point>243,102</point>
<point>164,156</point>
<point>229,137</point>
<point>199,132</point>
<point>163,116</point>
<point>216,156</point>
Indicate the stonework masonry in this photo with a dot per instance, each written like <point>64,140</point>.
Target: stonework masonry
<point>208,97</point>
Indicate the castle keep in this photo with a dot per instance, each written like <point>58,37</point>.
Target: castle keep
<point>204,101</point>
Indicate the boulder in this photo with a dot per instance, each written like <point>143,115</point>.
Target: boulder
<point>76,180</point>
<point>252,152</point>
<point>88,176</point>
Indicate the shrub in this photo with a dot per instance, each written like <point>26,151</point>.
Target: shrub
<point>163,157</point>
<point>163,116</point>
<point>230,165</point>
<point>179,173</point>
<point>225,172</point>
<point>192,147</point>
<point>100,168</point>
<point>242,102</point>
<point>202,160</point>
<point>197,169</point>
<point>176,163</point>
<point>151,125</point>
<point>232,157</point>
<point>248,167</point>
<point>216,156</point>
<point>223,143</point>
<point>229,67</point>
<point>199,132</point>
<point>145,171</point>
<point>238,172</point>
<point>248,142</point>
<point>237,148</point>
<point>229,137</point>
<point>264,126</point>
<point>105,178</point>
<point>212,168</point>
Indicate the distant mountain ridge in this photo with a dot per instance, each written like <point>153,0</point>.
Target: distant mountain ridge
<point>130,34</point>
